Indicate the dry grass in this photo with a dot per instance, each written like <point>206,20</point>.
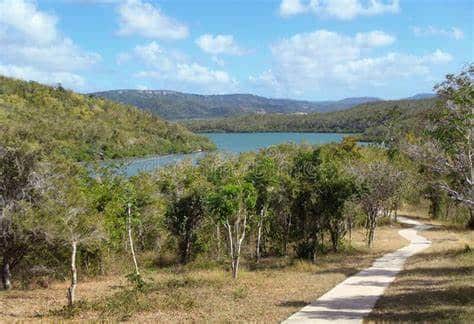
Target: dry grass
<point>268,292</point>
<point>436,285</point>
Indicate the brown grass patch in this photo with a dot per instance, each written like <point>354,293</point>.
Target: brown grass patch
<point>267,292</point>
<point>437,285</point>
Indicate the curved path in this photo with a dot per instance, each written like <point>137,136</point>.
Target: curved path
<point>354,298</point>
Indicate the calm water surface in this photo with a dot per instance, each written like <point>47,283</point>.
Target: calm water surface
<point>231,143</point>
<point>244,142</point>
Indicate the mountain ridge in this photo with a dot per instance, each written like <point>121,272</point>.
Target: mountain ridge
<point>175,105</point>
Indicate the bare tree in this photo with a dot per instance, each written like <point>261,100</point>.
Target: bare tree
<point>130,238</point>
<point>379,181</point>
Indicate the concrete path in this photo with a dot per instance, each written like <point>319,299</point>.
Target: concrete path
<point>354,298</point>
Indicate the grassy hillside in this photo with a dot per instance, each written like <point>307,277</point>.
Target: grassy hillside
<point>178,105</point>
<point>85,128</point>
<point>366,118</point>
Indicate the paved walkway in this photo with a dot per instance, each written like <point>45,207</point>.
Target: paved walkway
<point>354,298</point>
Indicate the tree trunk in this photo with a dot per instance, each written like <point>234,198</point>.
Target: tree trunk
<point>259,234</point>
<point>315,251</point>
<point>218,236</point>
<point>349,223</point>
<point>235,266</point>
<point>470,224</point>
<point>335,239</point>
<point>371,229</point>
<point>71,292</point>
<point>6,275</point>
<point>257,250</point>
<point>287,235</point>
<point>130,239</point>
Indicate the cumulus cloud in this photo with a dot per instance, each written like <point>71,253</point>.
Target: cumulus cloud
<point>172,66</point>
<point>339,9</point>
<point>219,44</point>
<point>31,73</point>
<point>452,32</point>
<point>306,61</point>
<point>33,48</point>
<point>146,20</point>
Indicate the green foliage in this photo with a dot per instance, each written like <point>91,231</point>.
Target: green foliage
<point>136,280</point>
<point>232,199</point>
<point>84,128</point>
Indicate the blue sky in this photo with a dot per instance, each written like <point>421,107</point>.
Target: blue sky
<point>303,49</point>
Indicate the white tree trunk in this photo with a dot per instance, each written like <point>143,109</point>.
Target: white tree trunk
<point>259,234</point>
<point>132,249</point>
<point>218,236</point>
<point>72,289</point>
<point>6,275</point>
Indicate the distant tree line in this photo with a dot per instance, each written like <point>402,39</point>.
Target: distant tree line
<point>369,120</point>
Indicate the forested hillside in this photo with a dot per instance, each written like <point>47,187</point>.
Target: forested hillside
<point>85,128</point>
<point>178,105</point>
<point>368,118</point>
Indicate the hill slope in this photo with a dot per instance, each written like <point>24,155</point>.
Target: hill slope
<point>85,128</point>
<point>178,105</point>
<point>366,118</point>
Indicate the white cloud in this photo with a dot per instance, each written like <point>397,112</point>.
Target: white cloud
<point>175,68</point>
<point>144,19</point>
<point>200,74</point>
<point>219,44</point>
<point>61,55</point>
<point>374,39</point>
<point>30,23</point>
<point>452,32</point>
<point>339,9</point>
<point>307,61</point>
<point>33,48</point>
<point>292,7</point>
<point>438,57</point>
<point>30,73</point>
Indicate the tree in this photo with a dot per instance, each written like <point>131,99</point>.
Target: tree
<point>308,220</point>
<point>232,205</point>
<point>263,176</point>
<point>446,151</point>
<point>184,217</point>
<point>334,188</point>
<point>185,189</point>
<point>71,218</point>
<point>452,132</point>
<point>19,186</point>
<point>378,181</point>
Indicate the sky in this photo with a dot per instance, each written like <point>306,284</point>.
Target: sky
<point>301,49</point>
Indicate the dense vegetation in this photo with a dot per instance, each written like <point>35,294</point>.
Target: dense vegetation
<point>177,105</point>
<point>297,201</point>
<point>61,122</point>
<point>369,118</point>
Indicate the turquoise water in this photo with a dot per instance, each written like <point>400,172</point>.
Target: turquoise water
<point>244,142</point>
<point>230,143</point>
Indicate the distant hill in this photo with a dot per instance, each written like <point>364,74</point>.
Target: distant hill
<point>64,123</point>
<point>371,119</point>
<point>422,96</point>
<point>174,105</point>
